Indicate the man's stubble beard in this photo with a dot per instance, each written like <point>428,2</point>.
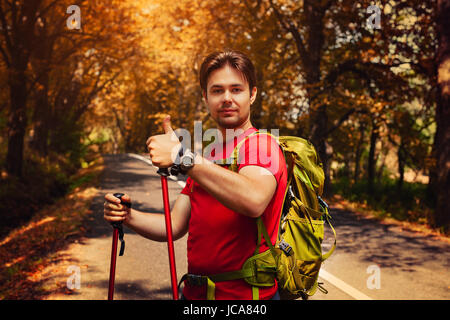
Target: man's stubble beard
<point>237,122</point>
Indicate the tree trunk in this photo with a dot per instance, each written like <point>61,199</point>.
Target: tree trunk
<point>371,160</point>
<point>41,119</point>
<point>346,170</point>
<point>318,128</point>
<point>42,112</point>
<point>17,121</point>
<point>441,182</point>
<point>20,38</point>
<point>359,148</point>
<point>401,164</point>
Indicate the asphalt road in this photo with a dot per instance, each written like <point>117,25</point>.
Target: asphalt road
<point>372,260</point>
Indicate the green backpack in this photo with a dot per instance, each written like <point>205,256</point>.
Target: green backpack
<point>297,256</point>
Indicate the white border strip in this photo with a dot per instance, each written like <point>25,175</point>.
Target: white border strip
<point>358,295</point>
<point>149,162</point>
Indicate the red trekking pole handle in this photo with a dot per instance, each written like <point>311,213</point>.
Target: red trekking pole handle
<point>164,172</point>
<point>117,234</point>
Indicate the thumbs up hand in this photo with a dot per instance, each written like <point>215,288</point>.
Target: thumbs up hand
<point>167,126</point>
<point>163,148</point>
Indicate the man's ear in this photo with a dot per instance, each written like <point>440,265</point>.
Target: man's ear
<point>253,95</point>
<point>204,95</point>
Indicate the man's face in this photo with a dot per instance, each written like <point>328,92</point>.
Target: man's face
<point>228,98</point>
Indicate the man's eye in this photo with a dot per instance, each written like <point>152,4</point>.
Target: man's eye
<point>237,90</point>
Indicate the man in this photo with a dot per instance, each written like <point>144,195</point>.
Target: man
<point>218,207</point>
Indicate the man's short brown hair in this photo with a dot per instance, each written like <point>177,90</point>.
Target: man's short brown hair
<point>235,59</point>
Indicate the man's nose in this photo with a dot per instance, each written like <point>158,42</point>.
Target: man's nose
<point>227,96</point>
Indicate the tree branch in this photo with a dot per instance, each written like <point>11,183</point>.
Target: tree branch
<point>5,57</point>
<point>5,28</point>
<point>342,120</point>
<point>291,28</point>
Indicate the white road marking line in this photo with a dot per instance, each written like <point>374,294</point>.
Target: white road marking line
<point>181,183</point>
<point>139,157</point>
<point>358,295</point>
<point>149,162</point>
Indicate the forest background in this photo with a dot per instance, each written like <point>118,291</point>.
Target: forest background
<point>367,82</point>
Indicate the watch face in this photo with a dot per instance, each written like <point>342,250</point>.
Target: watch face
<point>186,161</point>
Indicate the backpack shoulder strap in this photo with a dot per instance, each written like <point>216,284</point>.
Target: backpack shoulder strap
<point>327,219</point>
<point>233,159</point>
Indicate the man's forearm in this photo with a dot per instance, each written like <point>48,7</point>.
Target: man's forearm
<point>148,225</point>
<point>233,190</point>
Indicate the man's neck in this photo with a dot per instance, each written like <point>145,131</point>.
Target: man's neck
<point>234,131</point>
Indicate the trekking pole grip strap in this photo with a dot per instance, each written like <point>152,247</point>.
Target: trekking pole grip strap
<point>118,225</point>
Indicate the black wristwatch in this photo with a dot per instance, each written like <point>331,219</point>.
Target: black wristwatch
<point>186,161</point>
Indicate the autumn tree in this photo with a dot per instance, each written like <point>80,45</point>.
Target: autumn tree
<point>60,70</point>
<point>439,183</point>
<point>18,20</point>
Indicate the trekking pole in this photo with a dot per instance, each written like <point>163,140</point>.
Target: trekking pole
<point>164,173</point>
<point>117,234</point>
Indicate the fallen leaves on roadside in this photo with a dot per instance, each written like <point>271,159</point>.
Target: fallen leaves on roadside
<point>26,251</point>
<point>363,211</point>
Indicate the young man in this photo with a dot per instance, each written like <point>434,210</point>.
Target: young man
<point>218,207</point>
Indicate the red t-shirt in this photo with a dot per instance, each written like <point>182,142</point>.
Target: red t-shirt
<point>220,239</point>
